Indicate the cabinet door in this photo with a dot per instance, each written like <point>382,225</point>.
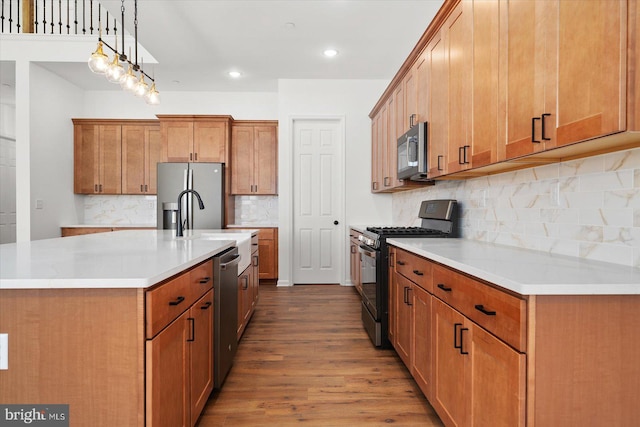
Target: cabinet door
<point>152,157</point>
<point>457,34</point>
<point>376,168</point>
<point>403,296</point>
<point>390,155</point>
<point>588,59</point>
<point>422,87</point>
<point>449,377</point>
<point>167,376</point>
<point>268,249</point>
<point>242,160</point>
<point>265,163</point>
<point>209,141</point>
<point>410,100</point>
<point>133,159</point>
<point>421,368</point>
<point>495,366</point>
<point>177,140</point>
<point>86,158</point>
<point>486,89</point>
<point>355,265</point>
<point>201,352</point>
<point>438,128</point>
<point>523,51</point>
<point>255,279</point>
<point>110,159</point>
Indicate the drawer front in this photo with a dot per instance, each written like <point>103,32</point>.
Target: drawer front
<point>201,279</point>
<point>267,233</point>
<point>166,302</point>
<point>415,268</point>
<point>500,313</point>
<point>255,243</point>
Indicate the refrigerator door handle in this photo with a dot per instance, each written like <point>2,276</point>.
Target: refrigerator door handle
<point>190,200</point>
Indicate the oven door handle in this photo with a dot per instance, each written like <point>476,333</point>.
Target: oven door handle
<point>367,251</point>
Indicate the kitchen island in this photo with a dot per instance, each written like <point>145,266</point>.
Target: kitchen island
<point>89,320</point>
<point>498,335</point>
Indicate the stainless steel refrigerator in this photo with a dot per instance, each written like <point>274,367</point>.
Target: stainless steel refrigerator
<point>205,178</point>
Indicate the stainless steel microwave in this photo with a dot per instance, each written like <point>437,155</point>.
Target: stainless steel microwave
<point>412,153</point>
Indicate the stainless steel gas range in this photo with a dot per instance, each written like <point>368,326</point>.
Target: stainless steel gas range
<point>439,219</point>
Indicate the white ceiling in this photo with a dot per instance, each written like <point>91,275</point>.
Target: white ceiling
<point>197,42</point>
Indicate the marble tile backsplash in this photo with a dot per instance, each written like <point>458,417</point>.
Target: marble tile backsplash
<point>120,210</point>
<point>588,208</point>
<point>257,210</point>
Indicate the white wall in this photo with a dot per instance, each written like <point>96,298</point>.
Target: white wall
<point>241,105</point>
<point>351,99</point>
<point>53,102</point>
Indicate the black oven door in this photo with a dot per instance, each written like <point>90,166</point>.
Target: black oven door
<point>368,257</point>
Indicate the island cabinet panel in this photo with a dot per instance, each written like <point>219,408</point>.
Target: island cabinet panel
<point>81,347</point>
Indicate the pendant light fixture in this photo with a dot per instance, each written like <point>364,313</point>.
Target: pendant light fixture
<point>114,70</point>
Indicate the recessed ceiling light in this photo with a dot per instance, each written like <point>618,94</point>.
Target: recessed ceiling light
<point>330,53</point>
<point>235,74</point>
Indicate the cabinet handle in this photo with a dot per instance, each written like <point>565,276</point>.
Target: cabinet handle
<point>146,188</point>
<point>255,260</point>
<point>483,310</point>
<point>405,295</point>
<point>464,154</point>
<point>544,138</point>
<point>391,259</point>
<point>245,279</point>
<point>141,188</point>
<point>192,321</point>
<point>206,305</point>
<point>95,188</point>
<point>439,167</point>
<point>195,157</point>
<point>177,301</point>
<point>401,262</point>
<point>533,130</point>
<point>408,298</point>
<point>418,273</point>
<point>100,187</point>
<point>411,120</point>
<point>204,280</point>
<point>386,181</point>
<point>443,287</point>
<point>374,185</point>
<point>353,249</point>
<point>455,336</point>
<point>461,155</point>
<point>462,341</point>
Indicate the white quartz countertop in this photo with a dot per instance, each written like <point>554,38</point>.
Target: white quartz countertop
<point>122,259</point>
<point>524,271</point>
<point>110,226</point>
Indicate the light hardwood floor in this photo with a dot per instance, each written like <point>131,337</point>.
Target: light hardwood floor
<point>305,359</point>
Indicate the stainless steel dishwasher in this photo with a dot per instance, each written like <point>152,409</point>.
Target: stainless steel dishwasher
<point>225,285</point>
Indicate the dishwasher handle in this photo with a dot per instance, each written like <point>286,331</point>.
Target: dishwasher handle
<point>234,261</point>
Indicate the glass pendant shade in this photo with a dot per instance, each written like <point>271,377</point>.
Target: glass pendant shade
<point>129,80</point>
<point>115,71</point>
<point>98,62</point>
<point>141,87</point>
<point>153,96</point>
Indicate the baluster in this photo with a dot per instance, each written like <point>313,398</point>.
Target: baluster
<point>59,16</point>
<point>53,25</point>
<point>84,30</point>
<point>35,19</point>
<point>44,16</point>
<point>2,16</point>
<point>10,16</point>
<point>68,21</point>
<point>18,24</point>
<point>91,16</point>
<point>75,16</point>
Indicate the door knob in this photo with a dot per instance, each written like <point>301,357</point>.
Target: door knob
<point>335,222</point>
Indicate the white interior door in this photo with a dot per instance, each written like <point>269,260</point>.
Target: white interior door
<point>318,186</point>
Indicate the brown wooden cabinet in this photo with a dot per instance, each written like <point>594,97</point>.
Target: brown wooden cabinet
<point>254,158</point>
<point>199,138</point>
<point>179,348</point>
<point>141,150</point>
<point>97,157</point>
<point>268,245</point>
<point>505,85</point>
<point>249,288</point>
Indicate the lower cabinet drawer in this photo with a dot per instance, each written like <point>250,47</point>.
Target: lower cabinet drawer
<point>498,312</point>
<point>415,268</point>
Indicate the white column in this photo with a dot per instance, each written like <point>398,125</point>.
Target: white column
<point>23,152</point>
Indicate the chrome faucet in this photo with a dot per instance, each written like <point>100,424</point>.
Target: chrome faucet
<point>179,229</point>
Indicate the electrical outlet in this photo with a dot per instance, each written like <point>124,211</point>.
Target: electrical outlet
<point>4,352</point>
<point>151,204</point>
<point>39,203</point>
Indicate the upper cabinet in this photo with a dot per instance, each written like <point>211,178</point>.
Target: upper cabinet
<point>571,86</point>
<point>97,157</point>
<point>188,138</point>
<point>506,84</point>
<point>115,156</point>
<point>254,158</point>
<point>140,155</point>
